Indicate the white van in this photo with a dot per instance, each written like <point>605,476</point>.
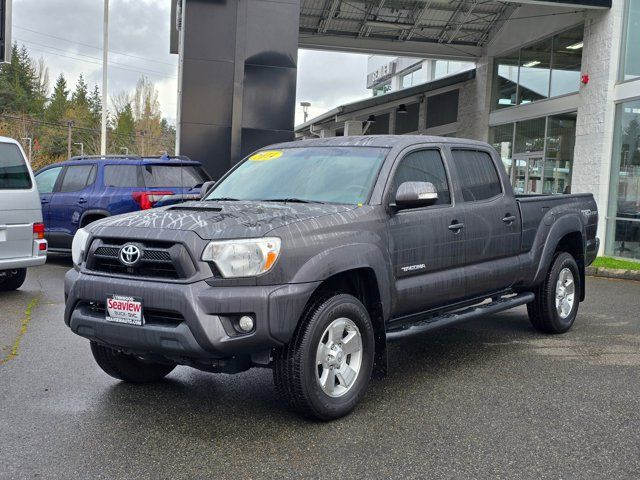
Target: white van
<point>22,242</point>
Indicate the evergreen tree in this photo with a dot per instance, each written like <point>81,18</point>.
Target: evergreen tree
<point>80,97</point>
<point>95,105</point>
<point>125,131</point>
<point>59,102</point>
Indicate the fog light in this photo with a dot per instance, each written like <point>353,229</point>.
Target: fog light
<point>245,323</point>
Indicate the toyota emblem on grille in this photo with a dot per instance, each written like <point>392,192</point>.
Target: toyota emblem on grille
<point>130,255</point>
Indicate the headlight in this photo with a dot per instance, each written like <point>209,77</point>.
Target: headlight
<point>79,246</point>
<point>243,258</point>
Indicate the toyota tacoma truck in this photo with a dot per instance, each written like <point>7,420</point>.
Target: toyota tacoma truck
<point>308,257</point>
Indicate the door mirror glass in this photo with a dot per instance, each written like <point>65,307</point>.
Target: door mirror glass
<point>206,188</point>
<point>416,194</point>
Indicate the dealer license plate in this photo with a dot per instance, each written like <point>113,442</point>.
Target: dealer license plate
<point>122,309</point>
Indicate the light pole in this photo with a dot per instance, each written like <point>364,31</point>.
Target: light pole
<point>305,110</point>
<point>69,125</point>
<point>30,142</point>
<point>126,150</point>
<point>81,148</point>
<point>105,58</point>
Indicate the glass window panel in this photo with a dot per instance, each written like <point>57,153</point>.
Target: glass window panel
<point>561,139</point>
<point>14,173</point>
<point>631,57</point>
<point>505,82</point>
<point>77,178</point>
<point>424,166</point>
<point>535,69</point>
<point>567,60</point>
<point>530,136</point>
<point>46,180</point>
<point>623,236</point>
<point>477,175</point>
<point>501,138</point>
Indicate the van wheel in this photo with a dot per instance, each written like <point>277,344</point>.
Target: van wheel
<point>12,279</point>
<point>325,369</point>
<point>556,304</point>
<point>128,367</point>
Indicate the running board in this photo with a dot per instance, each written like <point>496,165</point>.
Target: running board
<point>452,318</point>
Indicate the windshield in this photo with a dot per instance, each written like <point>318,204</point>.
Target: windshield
<point>314,174</point>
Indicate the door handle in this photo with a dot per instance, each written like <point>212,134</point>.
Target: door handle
<point>82,200</point>
<point>43,201</point>
<point>455,226</point>
<point>509,219</point>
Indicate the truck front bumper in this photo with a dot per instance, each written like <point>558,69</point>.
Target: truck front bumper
<point>201,325</point>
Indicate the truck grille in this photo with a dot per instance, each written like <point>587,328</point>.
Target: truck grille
<point>159,260</point>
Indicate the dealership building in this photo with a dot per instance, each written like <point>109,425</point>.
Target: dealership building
<point>553,86</point>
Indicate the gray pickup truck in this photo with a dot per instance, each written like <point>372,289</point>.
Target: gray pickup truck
<point>308,257</point>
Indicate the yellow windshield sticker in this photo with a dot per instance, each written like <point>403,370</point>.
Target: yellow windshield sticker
<point>265,155</point>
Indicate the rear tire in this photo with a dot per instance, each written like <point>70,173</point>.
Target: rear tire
<point>557,299</point>
<point>13,279</point>
<point>325,369</point>
<point>127,367</point>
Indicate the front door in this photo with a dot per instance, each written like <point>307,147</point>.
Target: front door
<point>426,243</point>
<point>46,181</point>
<point>68,204</point>
<point>529,173</point>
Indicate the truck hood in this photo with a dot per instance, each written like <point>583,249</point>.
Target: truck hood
<point>220,220</point>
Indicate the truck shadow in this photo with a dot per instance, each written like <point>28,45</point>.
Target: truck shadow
<point>247,406</point>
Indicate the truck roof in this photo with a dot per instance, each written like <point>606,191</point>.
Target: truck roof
<point>386,141</point>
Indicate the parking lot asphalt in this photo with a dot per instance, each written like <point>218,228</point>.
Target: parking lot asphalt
<point>488,399</point>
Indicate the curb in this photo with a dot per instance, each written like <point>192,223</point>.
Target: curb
<point>613,273</point>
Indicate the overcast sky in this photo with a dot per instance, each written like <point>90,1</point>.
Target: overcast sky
<point>68,34</point>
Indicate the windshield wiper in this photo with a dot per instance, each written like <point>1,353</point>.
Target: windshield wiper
<point>290,200</point>
<point>222,199</point>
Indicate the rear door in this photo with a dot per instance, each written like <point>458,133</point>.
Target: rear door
<point>427,249</point>
<point>69,202</point>
<point>46,181</point>
<point>492,222</point>
<point>19,203</point>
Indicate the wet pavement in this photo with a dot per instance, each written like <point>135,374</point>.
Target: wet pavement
<point>489,399</point>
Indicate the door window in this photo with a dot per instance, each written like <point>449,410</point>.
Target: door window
<point>14,173</point>
<point>77,177</point>
<point>424,166</point>
<point>477,175</point>
<point>46,180</point>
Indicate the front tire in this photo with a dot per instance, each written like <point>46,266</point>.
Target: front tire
<point>325,369</point>
<point>556,304</point>
<point>127,367</point>
<point>13,279</point>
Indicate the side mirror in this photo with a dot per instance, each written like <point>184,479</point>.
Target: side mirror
<point>206,188</point>
<point>416,194</point>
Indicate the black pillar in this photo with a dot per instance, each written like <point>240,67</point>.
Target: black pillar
<point>238,78</point>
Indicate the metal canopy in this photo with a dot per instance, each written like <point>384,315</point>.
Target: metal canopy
<point>446,28</point>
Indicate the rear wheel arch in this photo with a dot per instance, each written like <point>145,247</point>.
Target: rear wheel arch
<point>91,216</point>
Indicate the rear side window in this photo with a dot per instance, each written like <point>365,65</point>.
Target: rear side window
<point>477,175</point>
<point>424,166</point>
<point>14,173</point>
<point>77,177</point>
<point>46,180</point>
<point>173,176</point>
<point>121,176</point>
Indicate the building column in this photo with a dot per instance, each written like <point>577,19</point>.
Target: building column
<point>238,78</point>
<point>474,103</point>
<point>352,127</point>
<point>422,116</point>
<point>392,121</point>
<point>596,114</point>
<point>327,132</point>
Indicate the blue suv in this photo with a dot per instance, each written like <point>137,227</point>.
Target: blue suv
<point>81,190</point>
